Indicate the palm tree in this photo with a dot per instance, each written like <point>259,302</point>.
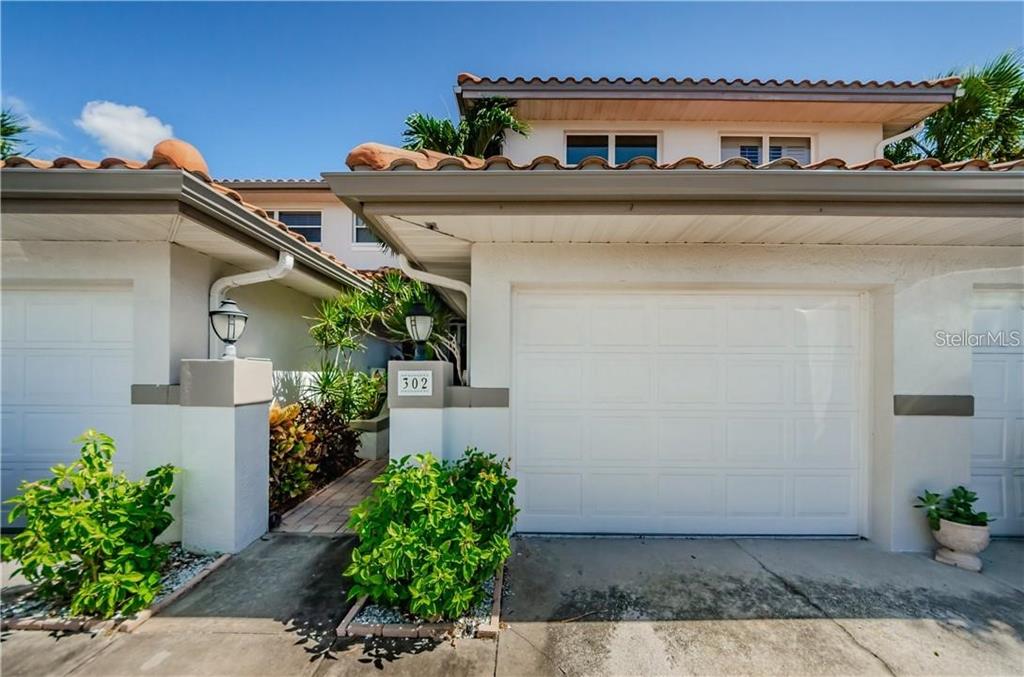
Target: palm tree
<point>986,121</point>
<point>480,133</point>
<point>12,126</point>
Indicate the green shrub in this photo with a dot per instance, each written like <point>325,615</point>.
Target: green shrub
<point>957,507</point>
<point>354,394</point>
<point>432,533</point>
<point>291,462</point>
<point>89,532</point>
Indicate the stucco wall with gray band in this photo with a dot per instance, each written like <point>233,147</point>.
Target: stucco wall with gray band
<point>443,395</point>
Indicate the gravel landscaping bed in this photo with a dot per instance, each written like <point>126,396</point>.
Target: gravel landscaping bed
<point>480,614</point>
<point>179,569</point>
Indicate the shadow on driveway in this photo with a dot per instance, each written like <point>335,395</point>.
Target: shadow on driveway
<point>615,606</point>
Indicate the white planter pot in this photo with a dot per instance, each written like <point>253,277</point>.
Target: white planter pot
<point>961,544</point>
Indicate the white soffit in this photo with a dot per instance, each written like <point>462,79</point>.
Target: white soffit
<point>448,237</point>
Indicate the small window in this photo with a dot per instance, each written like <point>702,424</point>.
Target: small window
<point>621,147</point>
<point>361,233</point>
<point>306,224</point>
<point>580,146</point>
<point>752,148</point>
<point>796,147</point>
<point>629,146</point>
<point>747,147</point>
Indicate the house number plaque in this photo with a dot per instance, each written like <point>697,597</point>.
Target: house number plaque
<point>415,383</point>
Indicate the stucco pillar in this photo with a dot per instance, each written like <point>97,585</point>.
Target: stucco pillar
<point>417,410</point>
<point>930,439</point>
<point>225,441</point>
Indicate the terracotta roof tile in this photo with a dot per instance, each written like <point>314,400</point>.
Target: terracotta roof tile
<point>378,157</point>
<point>181,155</point>
<point>471,79</point>
<point>172,154</point>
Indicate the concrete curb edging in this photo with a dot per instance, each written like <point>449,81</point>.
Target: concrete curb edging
<point>420,630</point>
<point>493,627</point>
<point>111,625</point>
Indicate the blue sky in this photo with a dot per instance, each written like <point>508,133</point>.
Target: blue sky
<point>286,89</point>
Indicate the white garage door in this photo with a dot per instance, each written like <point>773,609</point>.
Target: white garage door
<point>67,366</point>
<point>997,455</point>
<point>687,413</point>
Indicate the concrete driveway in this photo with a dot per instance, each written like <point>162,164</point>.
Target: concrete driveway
<point>588,606</point>
<point>717,607</point>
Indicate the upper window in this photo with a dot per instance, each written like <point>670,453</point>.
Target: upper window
<point>361,233</point>
<point>307,224</point>
<point>615,148</point>
<point>752,148</point>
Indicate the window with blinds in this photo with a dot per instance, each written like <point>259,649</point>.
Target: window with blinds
<point>307,224</point>
<point>796,147</point>
<point>752,148</point>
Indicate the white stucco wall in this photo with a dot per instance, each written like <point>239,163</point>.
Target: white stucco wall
<point>912,292</point>
<point>851,142</point>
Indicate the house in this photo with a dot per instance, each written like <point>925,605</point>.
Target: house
<point>110,269</point>
<point>710,307</point>
<point>308,207</point>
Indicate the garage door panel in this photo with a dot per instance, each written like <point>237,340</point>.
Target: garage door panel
<point>620,324</point>
<point>714,413</point>
<point>618,379</point>
<point>614,439</point>
<point>57,319</point>
<point>551,380</point>
<point>761,324</point>
<point>689,440</point>
<point>690,494</point>
<point>997,453</point>
<point>688,325</point>
<point>67,367</point>
<point>755,381</point>
<point>552,324</point>
<point>824,496</point>
<point>829,325</point>
<point>990,440</point>
<point>755,441</point>
<point>755,495</point>
<point>689,380</point>
<point>993,496</point>
<point>825,383</point>
<point>552,438</point>
<point>550,493</point>
<point>617,493</point>
<point>824,441</point>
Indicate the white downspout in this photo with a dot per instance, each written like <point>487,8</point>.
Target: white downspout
<point>913,131</point>
<point>219,289</point>
<point>447,283</point>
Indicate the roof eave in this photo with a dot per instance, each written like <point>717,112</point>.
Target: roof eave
<point>740,185</point>
<point>173,185</point>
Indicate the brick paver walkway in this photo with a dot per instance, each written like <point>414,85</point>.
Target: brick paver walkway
<point>326,511</point>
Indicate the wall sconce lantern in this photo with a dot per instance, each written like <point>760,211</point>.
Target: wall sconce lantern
<point>228,324</point>
<point>419,323</point>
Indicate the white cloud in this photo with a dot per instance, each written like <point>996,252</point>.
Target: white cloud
<point>35,125</point>
<point>126,131</point>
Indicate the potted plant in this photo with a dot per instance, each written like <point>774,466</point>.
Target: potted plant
<point>960,531</point>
